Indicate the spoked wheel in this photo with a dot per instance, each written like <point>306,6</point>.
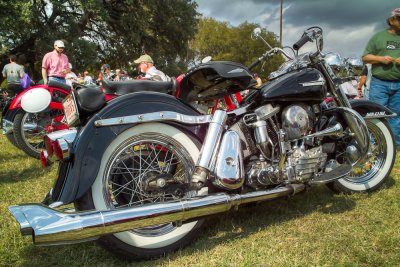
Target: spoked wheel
<point>29,130</point>
<point>370,174</point>
<point>149,163</point>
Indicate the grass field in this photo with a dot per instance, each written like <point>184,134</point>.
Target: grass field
<point>317,228</point>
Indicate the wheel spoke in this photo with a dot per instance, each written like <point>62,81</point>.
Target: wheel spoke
<point>137,163</point>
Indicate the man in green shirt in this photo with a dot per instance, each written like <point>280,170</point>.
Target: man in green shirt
<point>383,52</point>
<point>13,72</point>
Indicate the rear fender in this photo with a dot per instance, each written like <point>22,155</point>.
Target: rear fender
<point>371,110</point>
<point>76,176</point>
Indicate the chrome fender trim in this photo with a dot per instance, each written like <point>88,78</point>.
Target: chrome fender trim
<point>154,117</point>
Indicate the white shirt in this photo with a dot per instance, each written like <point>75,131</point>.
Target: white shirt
<point>156,75</point>
<point>71,77</point>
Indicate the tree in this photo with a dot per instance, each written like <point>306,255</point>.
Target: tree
<point>98,31</point>
<point>225,42</point>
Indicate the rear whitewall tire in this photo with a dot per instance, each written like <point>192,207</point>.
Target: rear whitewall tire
<point>147,246</point>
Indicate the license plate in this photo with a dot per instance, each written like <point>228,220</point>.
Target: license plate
<point>70,110</point>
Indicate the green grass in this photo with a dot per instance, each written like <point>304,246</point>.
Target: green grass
<point>317,228</point>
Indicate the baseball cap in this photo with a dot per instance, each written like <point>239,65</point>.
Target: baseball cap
<point>144,58</point>
<point>59,43</point>
<point>395,13</point>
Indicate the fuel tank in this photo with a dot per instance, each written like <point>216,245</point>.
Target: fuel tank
<point>302,85</point>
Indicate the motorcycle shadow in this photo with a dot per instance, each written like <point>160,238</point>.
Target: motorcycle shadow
<point>218,230</point>
<point>30,170</point>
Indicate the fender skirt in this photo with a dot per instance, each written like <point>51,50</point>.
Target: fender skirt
<point>371,110</point>
<point>76,176</point>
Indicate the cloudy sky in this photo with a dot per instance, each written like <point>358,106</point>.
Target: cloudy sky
<point>347,24</point>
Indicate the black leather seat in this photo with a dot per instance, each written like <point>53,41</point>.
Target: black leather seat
<point>90,98</point>
<point>131,86</point>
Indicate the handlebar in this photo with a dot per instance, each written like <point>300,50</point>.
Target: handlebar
<point>304,39</point>
<point>255,63</point>
<point>271,52</point>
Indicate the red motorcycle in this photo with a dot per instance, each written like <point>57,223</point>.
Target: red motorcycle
<point>25,128</point>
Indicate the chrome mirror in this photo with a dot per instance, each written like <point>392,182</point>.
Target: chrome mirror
<point>256,33</point>
<point>206,59</point>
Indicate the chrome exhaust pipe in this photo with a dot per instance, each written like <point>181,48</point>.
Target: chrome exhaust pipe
<point>51,227</point>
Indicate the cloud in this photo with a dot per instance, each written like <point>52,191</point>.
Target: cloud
<point>347,25</point>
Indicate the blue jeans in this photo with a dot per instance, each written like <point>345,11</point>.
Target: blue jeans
<point>57,79</point>
<point>387,94</point>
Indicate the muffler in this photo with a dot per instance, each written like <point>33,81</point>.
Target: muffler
<point>51,227</point>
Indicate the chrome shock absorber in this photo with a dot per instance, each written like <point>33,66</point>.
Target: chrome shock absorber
<point>209,149</point>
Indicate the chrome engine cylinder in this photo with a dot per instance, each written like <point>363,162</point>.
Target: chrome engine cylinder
<point>262,138</point>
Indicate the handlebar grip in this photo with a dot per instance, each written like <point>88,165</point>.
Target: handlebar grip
<point>304,39</point>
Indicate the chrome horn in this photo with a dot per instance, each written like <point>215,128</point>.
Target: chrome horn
<point>336,130</point>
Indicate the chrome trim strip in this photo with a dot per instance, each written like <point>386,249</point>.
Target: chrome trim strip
<point>154,117</point>
<point>379,116</point>
<point>51,227</point>
<point>7,126</point>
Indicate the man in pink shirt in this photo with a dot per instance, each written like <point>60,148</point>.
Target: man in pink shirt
<point>55,64</point>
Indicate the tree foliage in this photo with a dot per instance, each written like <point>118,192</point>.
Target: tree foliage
<point>225,42</point>
<point>98,31</point>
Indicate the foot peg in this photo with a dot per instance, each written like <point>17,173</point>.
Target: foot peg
<point>199,178</point>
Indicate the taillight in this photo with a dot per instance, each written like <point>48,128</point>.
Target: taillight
<point>44,158</point>
<point>61,149</point>
<point>57,144</point>
<point>48,143</point>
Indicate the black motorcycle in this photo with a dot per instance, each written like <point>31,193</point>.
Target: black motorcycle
<point>148,168</point>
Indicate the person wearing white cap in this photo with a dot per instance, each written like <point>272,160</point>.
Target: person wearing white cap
<point>145,65</point>
<point>383,52</point>
<point>55,64</point>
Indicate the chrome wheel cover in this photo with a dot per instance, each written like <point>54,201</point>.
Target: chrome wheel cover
<point>375,160</point>
<point>133,163</point>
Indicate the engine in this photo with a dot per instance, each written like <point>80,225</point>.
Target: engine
<point>305,163</point>
<point>286,155</point>
<point>301,165</point>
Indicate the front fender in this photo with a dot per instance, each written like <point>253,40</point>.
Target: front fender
<point>371,110</point>
<point>77,176</point>
<point>54,92</point>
